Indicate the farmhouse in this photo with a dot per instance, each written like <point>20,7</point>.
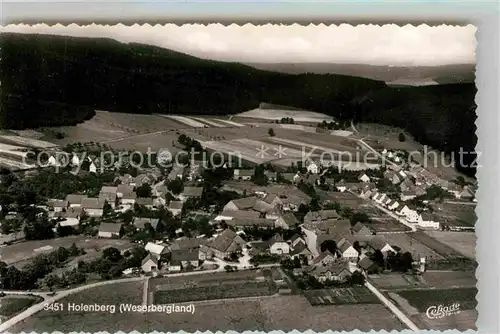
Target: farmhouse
<point>225,243</point>
<point>191,192</point>
<point>145,201</point>
<point>75,200</point>
<point>379,243</point>
<point>361,229</point>
<point>407,195</point>
<point>110,230</point>
<point>301,251</point>
<point>124,189</point>
<point>392,176</point>
<point>277,245</point>
<point>331,272</point>
<point>175,207</point>
<point>109,198</point>
<point>93,207</point>
<point>237,214</point>
<point>287,221</point>
<point>57,205</point>
<point>243,174</point>
<point>129,198</point>
<point>363,177</point>
<point>149,264</point>
<point>324,258</point>
<point>184,259</point>
<point>367,265</point>
<point>347,250</point>
<point>242,223</point>
<point>71,216</point>
<point>314,217</point>
<point>140,222</point>
<point>428,220</point>
<point>157,250</point>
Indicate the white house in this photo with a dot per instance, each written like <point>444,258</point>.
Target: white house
<point>411,215</point>
<point>110,230</point>
<point>149,264</point>
<point>312,167</point>
<point>278,246</point>
<point>347,250</point>
<point>243,174</point>
<point>157,250</point>
<point>428,220</point>
<point>92,168</point>
<point>75,160</point>
<point>129,199</point>
<point>393,205</point>
<point>364,178</point>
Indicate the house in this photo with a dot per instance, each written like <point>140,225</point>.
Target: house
<point>467,194</point>
<point>361,229</point>
<point>324,258</point>
<point>93,207</point>
<point>411,215</point>
<point>75,160</point>
<point>93,167</point>
<point>407,195</point>
<point>187,243</point>
<point>379,243</point>
<point>140,222</point>
<point>338,271</point>
<point>124,189</point>
<point>243,174</point>
<point>149,264</point>
<point>175,207</point>
<point>177,172</point>
<point>406,185</point>
<point>366,193</point>
<point>367,265</point>
<point>277,245</point>
<point>364,178</point>
<point>296,240</point>
<point>273,200</point>
<point>184,259</point>
<point>318,216</point>
<point>392,176</point>
<point>242,223</point>
<point>110,230</point>
<point>109,198</point>
<point>347,250</point>
<point>225,243</point>
<point>301,251</point>
<point>142,179</point>
<point>74,200</point>
<point>160,191</point>
<point>129,198</point>
<point>393,205</point>
<point>271,176</point>
<point>245,203</point>
<point>237,214</point>
<point>58,205</point>
<point>71,217</point>
<point>312,167</point>
<point>287,221</point>
<point>145,201</point>
<point>157,250</point>
<point>428,220</point>
<point>191,192</point>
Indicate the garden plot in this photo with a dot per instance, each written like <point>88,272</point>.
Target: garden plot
<point>462,242</point>
<point>408,244</point>
<point>26,142</point>
<point>187,121</point>
<point>209,122</point>
<point>353,295</point>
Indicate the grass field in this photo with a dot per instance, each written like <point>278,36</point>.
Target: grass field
<point>264,314</point>
<point>29,249</point>
<point>388,224</point>
<point>462,242</point>
<point>423,299</point>
<point>444,279</point>
<point>11,305</point>
<point>277,114</point>
<point>408,243</point>
<point>395,281</point>
<point>439,247</point>
<point>353,295</point>
<point>456,214</point>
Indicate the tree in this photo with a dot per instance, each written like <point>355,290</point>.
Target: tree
<point>143,191</point>
<point>357,278</point>
<point>271,132</point>
<point>378,258</point>
<point>176,186</point>
<point>329,245</point>
<point>401,137</point>
<point>112,254</point>
<point>62,254</point>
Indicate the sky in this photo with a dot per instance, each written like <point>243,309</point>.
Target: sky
<point>365,44</point>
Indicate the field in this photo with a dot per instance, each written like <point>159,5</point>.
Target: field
<point>387,225</point>
<point>408,243</point>
<point>25,142</point>
<point>395,281</point>
<point>11,305</point>
<point>465,320</point>
<point>462,242</point>
<point>143,142</point>
<point>277,114</point>
<point>437,246</point>
<point>423,299</point>
<point>449,279</point>
<point>354,295</point>
<point>264,314</point>
<point>17,253</point>
<point>456,214</point>
<point>346,199</point>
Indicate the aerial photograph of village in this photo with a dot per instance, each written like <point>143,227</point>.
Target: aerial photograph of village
<point>237,178</point>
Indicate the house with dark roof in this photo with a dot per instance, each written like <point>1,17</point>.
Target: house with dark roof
<point>287,221</point>
<point>243,174</point>
<point>300,250</point>
<point>335,271</point>
<point>378,242</point>
<point>242,223</point>
<point>191,192</point>
<point>361,229</point>
<point>297,239</point>
<point>175,207</point>
<point>324,258</point>
<point>145,201</point>
<point>75,200</point>
<point>123,189</point>
<point>314,217</point>
<point>110,230</point>
<point>184,259</point>
<point>94,207</point>
<point>225,243</point>
<point>367,265</point>
<point>140,222</point>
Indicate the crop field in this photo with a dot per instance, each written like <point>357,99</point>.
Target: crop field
<point>396,281</point>
<point>26,250</point>
<point>24,141</point>
<point>10,305</point>
<point>232,123</point>
<point>387,225</point>
<point>423,299</point>
<point>462,242</point>
<point>449,279</point>
<point>465,320</point>
<point>210,122</point>
<point>408,243</point>
<point>186,121</point>
<point>143,142</point>
<point>223,290</point>
<point>207,134</point>
<point>439,247</point>
<point>277,114</point>
<point>346,199</point>
<point>353,295</point>
<point>456,214</point>
<point>264,314</point>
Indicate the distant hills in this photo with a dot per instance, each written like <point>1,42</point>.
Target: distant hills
<point>55,80</point>
<point>410,75</point>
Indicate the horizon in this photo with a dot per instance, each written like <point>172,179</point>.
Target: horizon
<point>371,45</point>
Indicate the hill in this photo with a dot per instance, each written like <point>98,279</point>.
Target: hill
<point>445,74</point>
<point>56,80</point>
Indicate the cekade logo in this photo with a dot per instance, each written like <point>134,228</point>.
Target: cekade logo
<point>440,311</point>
